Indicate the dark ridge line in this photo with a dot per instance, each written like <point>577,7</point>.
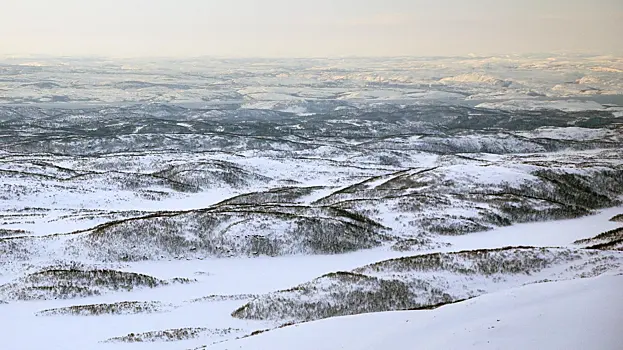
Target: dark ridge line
<point>376,139</point>
<point>355,200</point>
<point>421,308</point>
<point>341,163</point>
<point>483,250</point>
<point>566,205</point>
<point>601,236</point>
<point>277,190</point>
<point>91,172</point>
<point>405,173</point>
<point>42,163</point>
<point>357,218</point>
<point>349,187</point>
<point>94,270</point>
<point>290,324</point>
<point>436,306</point>
<point>608,245</point>
<point>218,210</point>
<point>354,186</point>
<point>562,141</point>
<point>566,183</point>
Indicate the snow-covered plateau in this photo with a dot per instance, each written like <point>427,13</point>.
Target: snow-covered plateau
<point>449,203</point>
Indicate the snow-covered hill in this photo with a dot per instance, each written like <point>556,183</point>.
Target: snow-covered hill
<point>154,301</point>
<point>426,280</point>
<point>573,315</point>
<point>179,204</point>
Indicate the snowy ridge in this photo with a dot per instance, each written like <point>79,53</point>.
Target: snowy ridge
<point>264,84</point>
<point>427,280</point>
<point>540,316</point>
<point>183,307</point>
<point>191,204</point>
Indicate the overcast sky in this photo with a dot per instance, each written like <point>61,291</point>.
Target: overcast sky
<point>309,28</point>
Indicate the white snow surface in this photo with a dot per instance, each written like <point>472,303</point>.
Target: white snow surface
<point>532,104</point>
<point>570,133</point>
<point>235,276</point>
<point>258,84</point>
<point>37,198</point>
<point>578,314</point>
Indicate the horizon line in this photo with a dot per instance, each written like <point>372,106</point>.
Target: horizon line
<point>295,57</point>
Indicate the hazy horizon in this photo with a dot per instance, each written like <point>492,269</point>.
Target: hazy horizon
<point>320,28</point>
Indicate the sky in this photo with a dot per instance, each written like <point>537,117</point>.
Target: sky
<point>308,28</point>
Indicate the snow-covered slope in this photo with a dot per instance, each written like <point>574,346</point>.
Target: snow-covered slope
<point>202,309</point>
<point>571,315</point>
<point>177,204</point>
<point>283,84</point>
<point>531,104</point>
<point>426,280</point>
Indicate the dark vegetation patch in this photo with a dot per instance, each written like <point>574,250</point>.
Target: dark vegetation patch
<point>452,225</point>
<point>507,260</point>
<point>560,195</point>
<point>109,130</point>
<point>120,308</point>
<point>425,199</point>
<point>609,240</point>
<point>78,283</point>
<point>234,230</point>
<point>415,244</point>
<point>218,298</point>
<point>276,195</point>
<point>261,331</point>
<point>421,282</point>
<point>617,218</point>
<point>614,234</point>
<point>207,174</point>
<point>290,324</point>
<point>172,335</point>
<point>437,306</point>
<point>273,222</point>
<point>12,232</point>
<point>612,245</point>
